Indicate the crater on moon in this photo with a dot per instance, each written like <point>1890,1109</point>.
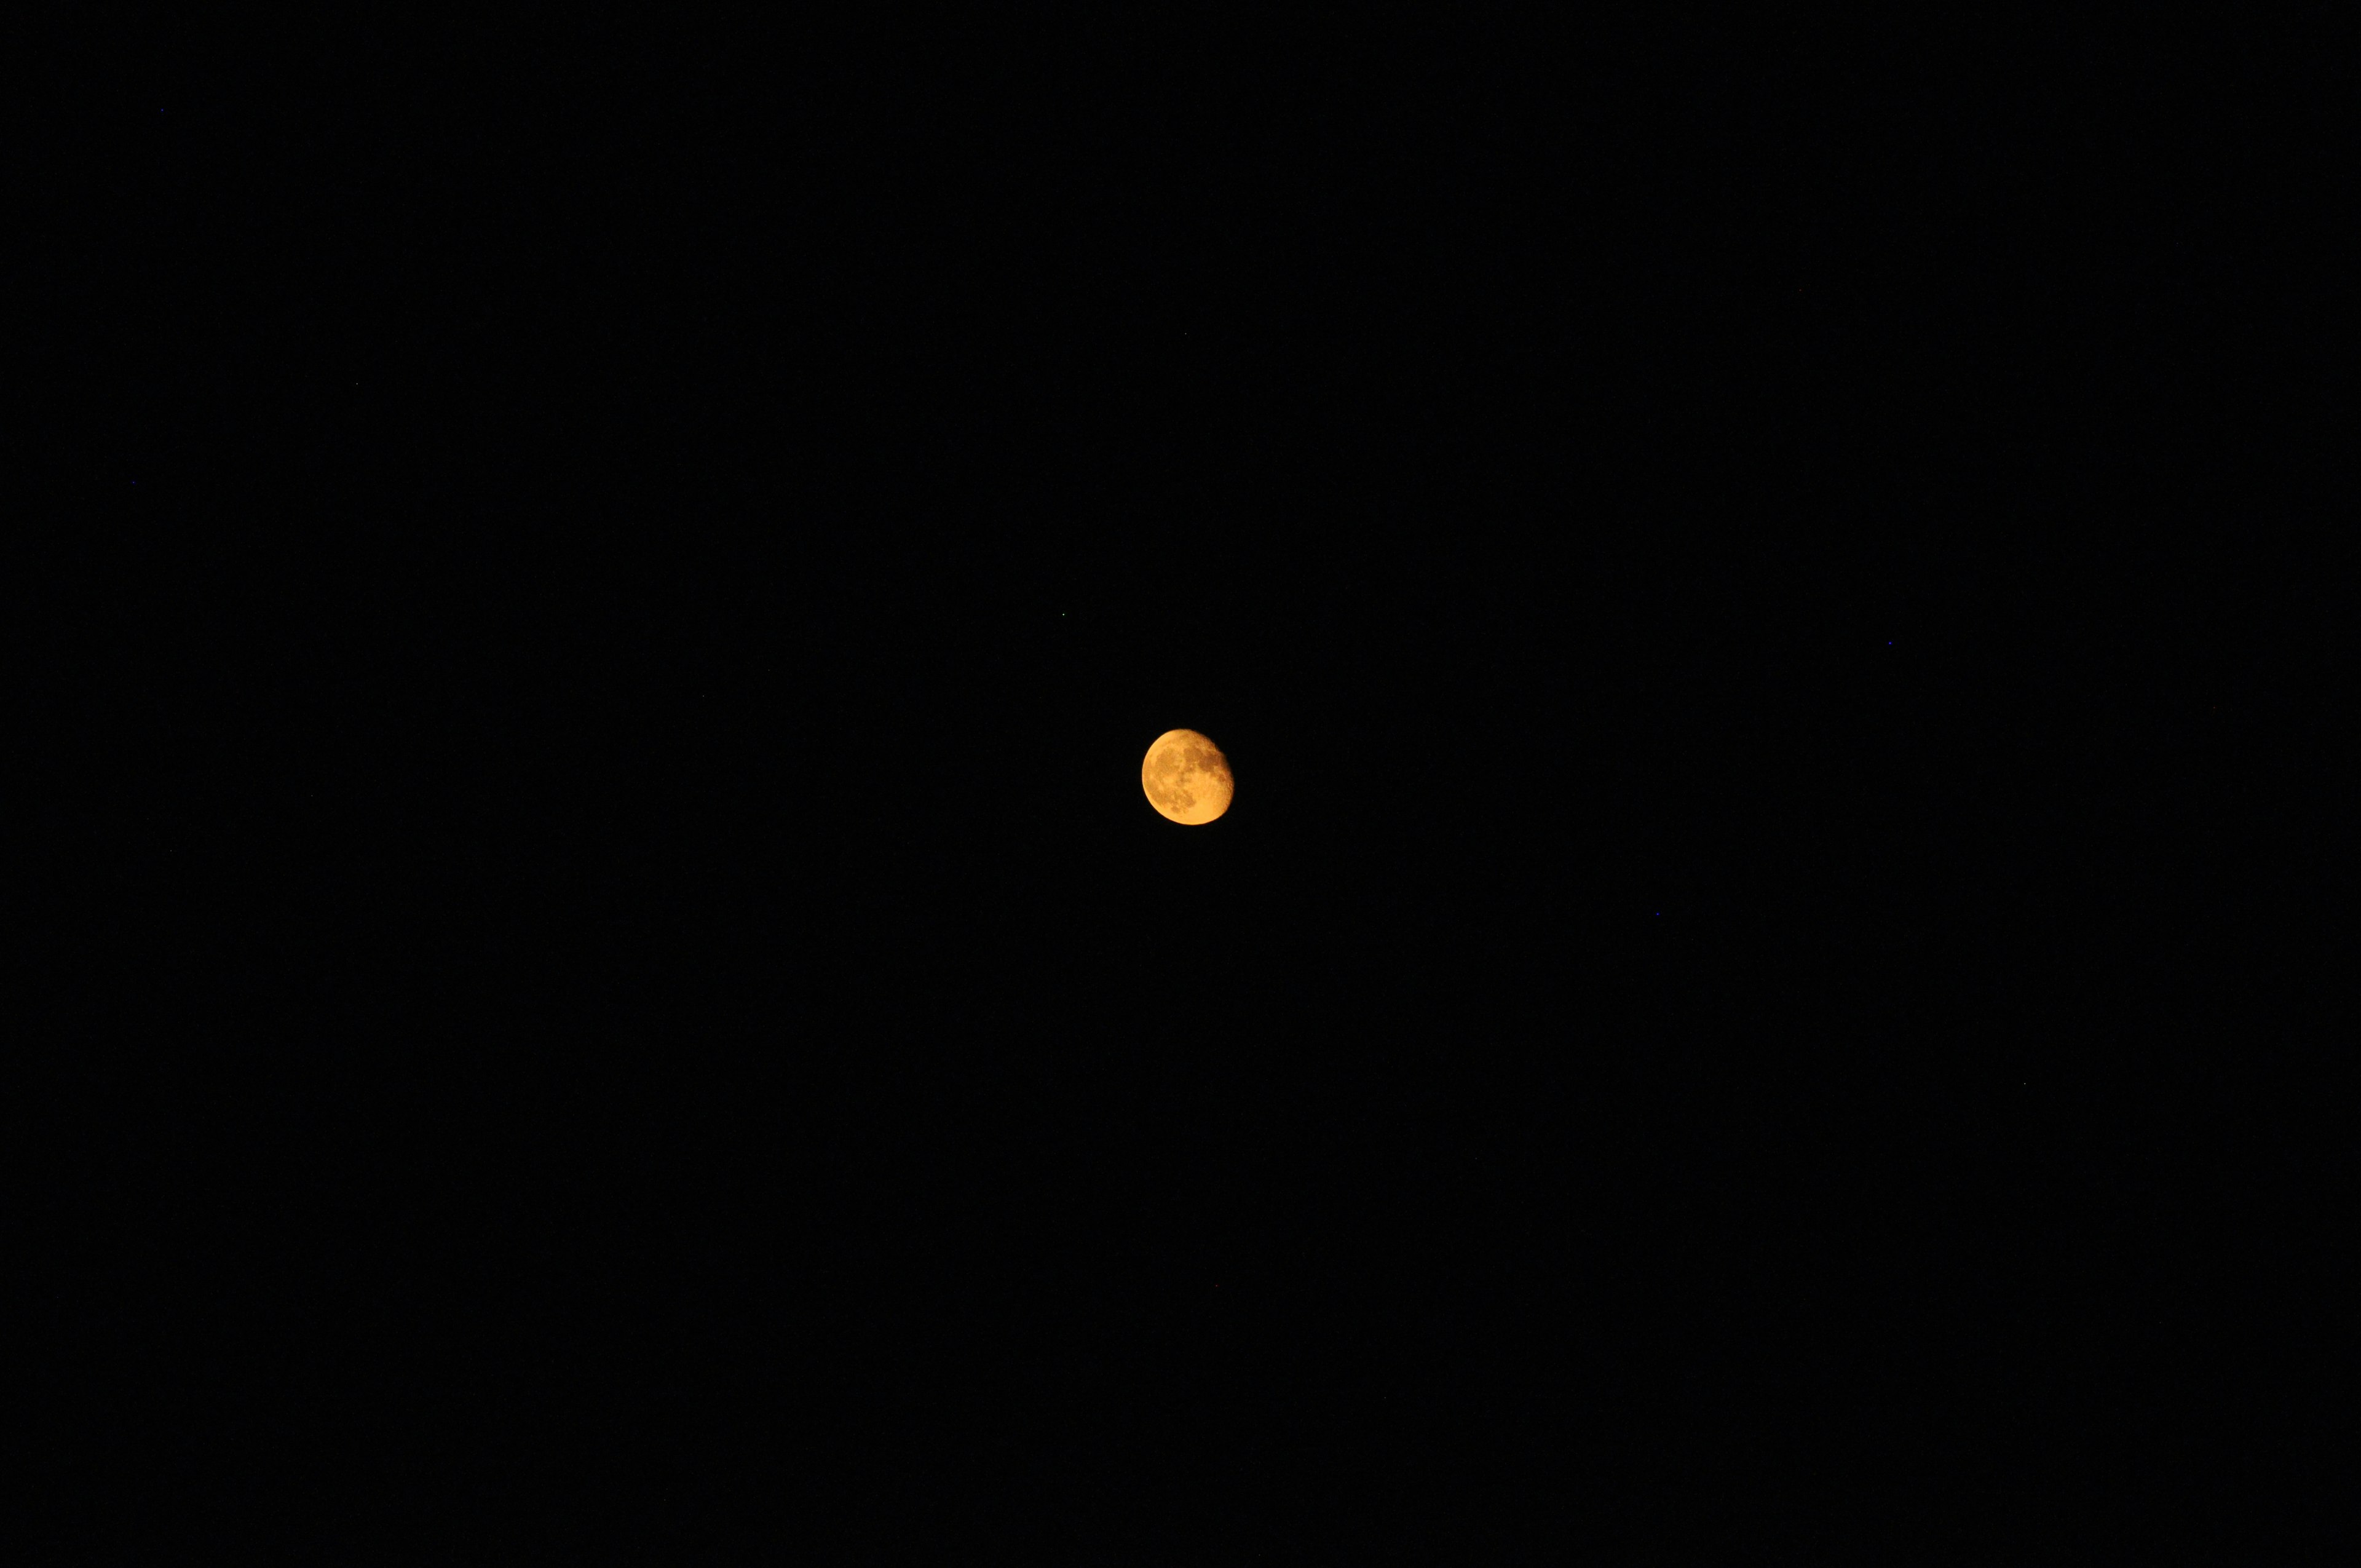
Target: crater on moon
<point>1186,777</point>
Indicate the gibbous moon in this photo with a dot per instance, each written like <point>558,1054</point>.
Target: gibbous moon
<point>1186,777</point>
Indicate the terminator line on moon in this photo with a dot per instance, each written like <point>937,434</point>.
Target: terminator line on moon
<point>1186,777</point>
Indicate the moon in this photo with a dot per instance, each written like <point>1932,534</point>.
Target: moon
<point>1186,777</point>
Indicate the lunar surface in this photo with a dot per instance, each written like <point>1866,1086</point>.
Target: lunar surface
<point>1186,777</point>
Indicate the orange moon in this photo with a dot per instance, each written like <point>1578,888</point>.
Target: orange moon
<point>1186,777</point>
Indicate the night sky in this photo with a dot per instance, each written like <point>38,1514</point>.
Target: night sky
<point>628,973</point>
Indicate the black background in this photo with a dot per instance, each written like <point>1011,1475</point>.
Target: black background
<point>625,972</point>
